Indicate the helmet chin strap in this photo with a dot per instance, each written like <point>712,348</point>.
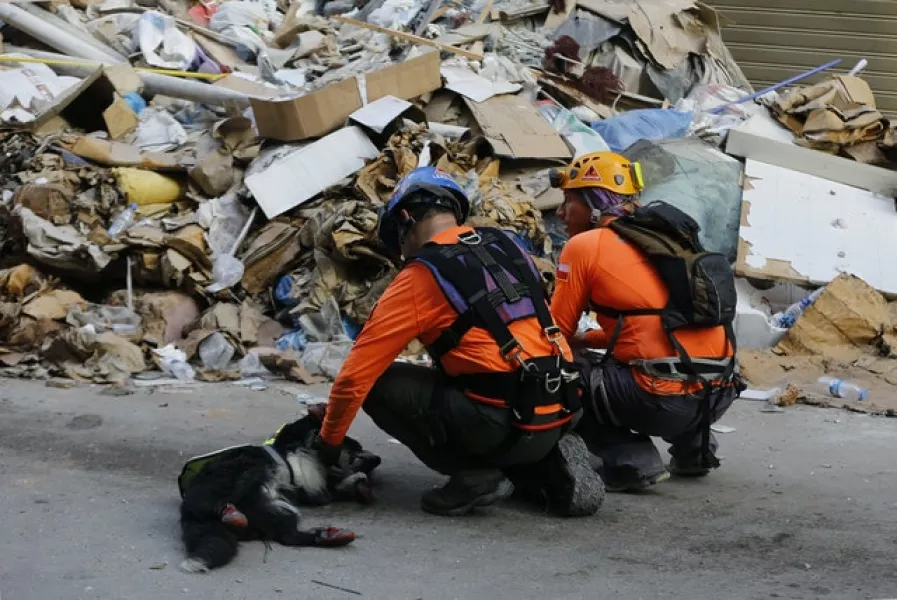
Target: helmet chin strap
<point>595,217</point>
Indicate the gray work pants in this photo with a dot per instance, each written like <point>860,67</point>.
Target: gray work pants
<point>617,429</point>
<point>446,430</point>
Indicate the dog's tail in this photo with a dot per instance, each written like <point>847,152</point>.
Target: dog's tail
<point>210,544</point>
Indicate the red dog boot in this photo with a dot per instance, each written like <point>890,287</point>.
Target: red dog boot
<point>231,516</point>
<point>332,537</point>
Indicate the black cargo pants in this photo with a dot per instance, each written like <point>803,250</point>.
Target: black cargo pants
<point>446,430</point>
<point>618,429</point>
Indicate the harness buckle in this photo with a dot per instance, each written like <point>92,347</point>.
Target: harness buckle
<point>553,333</point>
<point>553,384</point>
<point>471,238</point>
<point>511,350</point>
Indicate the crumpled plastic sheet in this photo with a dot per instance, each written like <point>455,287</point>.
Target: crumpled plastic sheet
<point>117,319</point>
<point>625,129</point>
<point>699,180</point>
<point>583,138</point>
<point>705,97</point>
<point>158,131</point>
<point>162,43</point>
<point>242,21</point>
<point>396,14</point>
<point>326,358</point>
<point>222,218</point>
<point>216,352</point>
<point>588,29</point>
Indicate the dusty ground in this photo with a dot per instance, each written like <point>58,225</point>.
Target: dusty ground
<point>803,508</point>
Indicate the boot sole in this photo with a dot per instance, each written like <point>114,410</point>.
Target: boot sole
<point>504,491</point>
<point>637,486</point>
<point>587,494</point>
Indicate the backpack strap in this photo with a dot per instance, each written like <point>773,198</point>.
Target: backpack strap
<point>620,315</point>
<point>707,459</point>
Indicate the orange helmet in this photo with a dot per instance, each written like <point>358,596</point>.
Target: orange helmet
<point>607,170</point>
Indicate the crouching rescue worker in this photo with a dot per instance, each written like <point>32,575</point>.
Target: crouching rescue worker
<point>504,393</point>
<point>665,308</point>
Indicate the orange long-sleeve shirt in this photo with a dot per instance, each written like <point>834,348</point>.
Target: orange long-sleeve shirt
<point>414,307</point>
<point>601,268</point>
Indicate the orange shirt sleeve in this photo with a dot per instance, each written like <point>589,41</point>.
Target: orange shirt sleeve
<point>597,338</point>
<point>573,283</point>
<point>392,326</point>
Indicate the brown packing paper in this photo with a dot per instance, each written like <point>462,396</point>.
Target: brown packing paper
<point>20,281</point>
<point>85,356</point>
<point>118,154</point>
<point>269,254</point>
<point>288,363</point>
<point>165,316</point>
<point>848,320</point>
<point>54,305</point>
<point>49,201</point>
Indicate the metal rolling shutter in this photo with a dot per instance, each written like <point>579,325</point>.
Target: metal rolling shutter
<point>774,39</point>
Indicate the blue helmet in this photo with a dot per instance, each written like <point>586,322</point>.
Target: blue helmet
<point>439,189</point>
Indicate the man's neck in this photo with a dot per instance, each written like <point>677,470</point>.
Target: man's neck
<point>433,226</point>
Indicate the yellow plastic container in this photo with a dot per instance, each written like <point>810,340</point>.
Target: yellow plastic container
<point>148,187</point>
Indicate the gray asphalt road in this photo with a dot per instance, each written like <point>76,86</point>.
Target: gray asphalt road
<point>803,508</point>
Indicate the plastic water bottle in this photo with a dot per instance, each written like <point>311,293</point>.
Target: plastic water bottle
<point>838,388</point>
<point>181,370</point>
<point>787,318</point>
<point>124,220</point>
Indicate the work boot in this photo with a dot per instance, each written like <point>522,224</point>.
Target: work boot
<point>575,489</point>
<point>629,480</point>
<point>691,465</point>
<point>466,491</point>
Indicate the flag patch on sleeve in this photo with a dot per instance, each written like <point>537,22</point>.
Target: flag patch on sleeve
<point>562,272</point>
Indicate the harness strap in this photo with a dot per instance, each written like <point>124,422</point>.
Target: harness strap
<point>520,265</point>
<point>280,460</point>
<point>458,264</point>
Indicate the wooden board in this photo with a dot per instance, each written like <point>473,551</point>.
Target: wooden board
<point>804,229</point>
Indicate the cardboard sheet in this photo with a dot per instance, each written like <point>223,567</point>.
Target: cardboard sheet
<point>324,110</point>
<point>805,229</point>
<point>668,33</point>
<point>406,80</point>
<point>515,129</point>
<point>300,175</point>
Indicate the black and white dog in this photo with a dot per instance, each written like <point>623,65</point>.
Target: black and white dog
<point>254,492</point>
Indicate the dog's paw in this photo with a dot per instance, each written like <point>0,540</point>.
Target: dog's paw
<point>194,565</point>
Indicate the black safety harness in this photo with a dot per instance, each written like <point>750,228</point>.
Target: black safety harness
<point>543,393</point>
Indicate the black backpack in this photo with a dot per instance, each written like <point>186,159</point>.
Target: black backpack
<point>701,287</point>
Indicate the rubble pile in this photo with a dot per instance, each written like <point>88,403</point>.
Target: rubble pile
<point>192,188</point>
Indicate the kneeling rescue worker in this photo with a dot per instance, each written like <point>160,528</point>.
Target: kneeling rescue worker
<point>665,307</point>
<point>505,393</point>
